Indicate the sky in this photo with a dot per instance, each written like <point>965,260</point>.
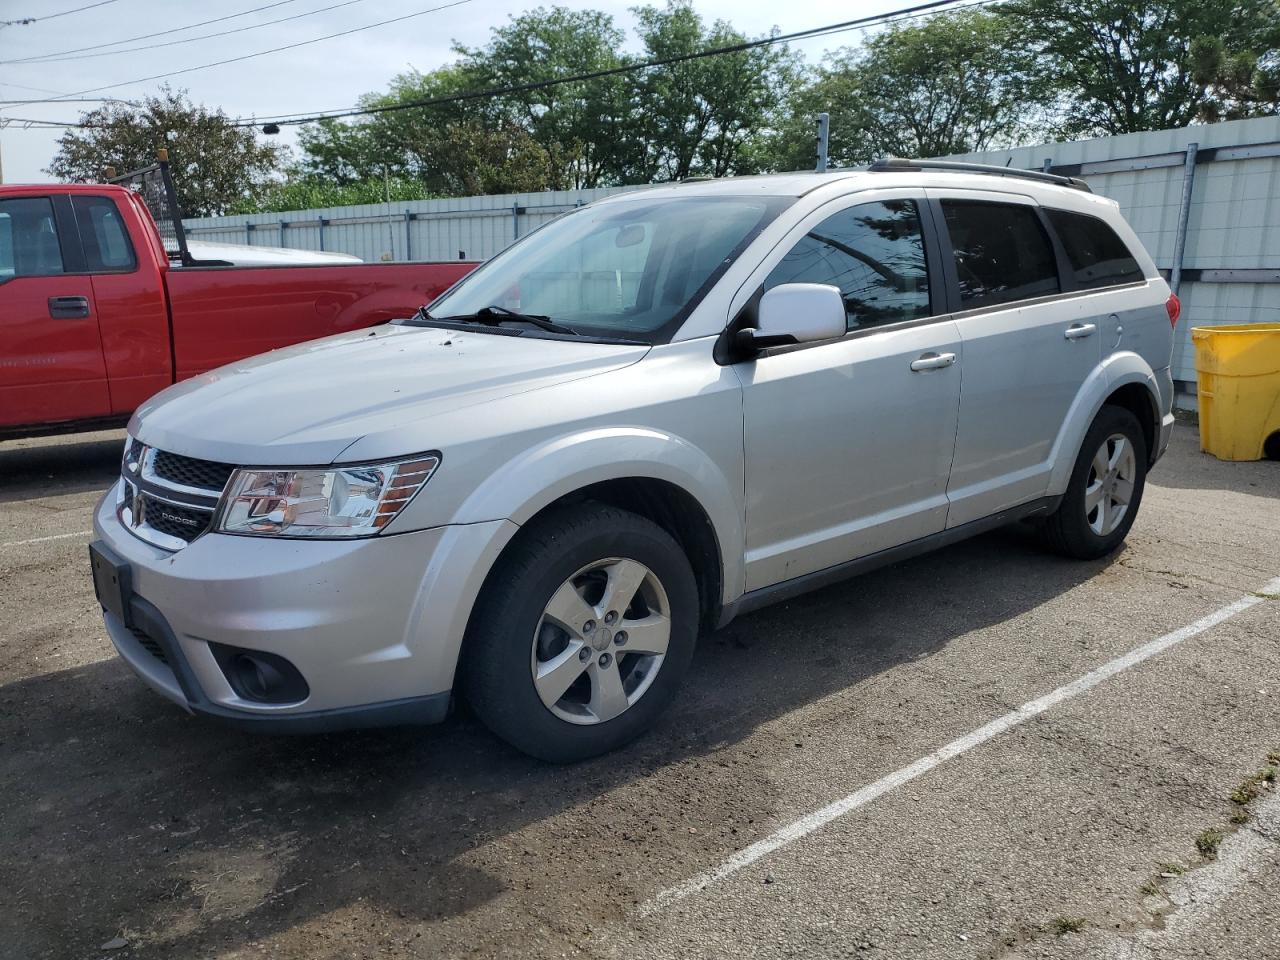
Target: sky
<point>326,75</point>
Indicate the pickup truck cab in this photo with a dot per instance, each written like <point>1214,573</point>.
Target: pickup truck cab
<point>94,318</point>
<point>653,414</point>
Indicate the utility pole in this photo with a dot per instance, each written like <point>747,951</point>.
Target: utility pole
<point>824,130</point>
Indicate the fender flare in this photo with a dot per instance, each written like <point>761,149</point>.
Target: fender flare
<point>541,475</point>
<point>1116,371</point>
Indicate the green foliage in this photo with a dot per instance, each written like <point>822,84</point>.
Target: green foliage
<point>309,192</point>
<point>702,117</point>
<point>954,83</point>
<point>216,166</point>
<point>705,116</point>
<point>1115,66</point>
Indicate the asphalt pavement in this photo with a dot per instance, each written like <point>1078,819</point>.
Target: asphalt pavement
<point>988,752</point>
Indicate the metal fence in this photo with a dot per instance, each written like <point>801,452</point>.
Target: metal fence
<point>459,228</point>
<point>1204,199</point>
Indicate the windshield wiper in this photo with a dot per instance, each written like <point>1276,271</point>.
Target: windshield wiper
<point>494,315</point>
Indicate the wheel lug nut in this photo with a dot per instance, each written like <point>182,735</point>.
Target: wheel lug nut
<point>620,637</point>
<point>584,654</point>
<point>610,616</point>
<point>589,626</point>
<point>605,659</point>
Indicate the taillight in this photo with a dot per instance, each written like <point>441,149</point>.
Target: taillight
<point>1174,306</point>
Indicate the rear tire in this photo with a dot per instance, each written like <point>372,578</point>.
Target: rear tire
<point>582,634</point>
<point>1105,489</point>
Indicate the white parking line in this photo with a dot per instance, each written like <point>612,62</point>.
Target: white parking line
<point>859,798</point>
<point>56,536</point>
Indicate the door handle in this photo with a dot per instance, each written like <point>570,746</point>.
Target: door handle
<point>68,308</point>
<point>1078,331</point>
<point>933,361</point>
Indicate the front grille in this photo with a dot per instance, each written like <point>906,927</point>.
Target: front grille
<point>190,472</point>
<point>167,499</point>
<point>150,645</point>
<point>181,522</point>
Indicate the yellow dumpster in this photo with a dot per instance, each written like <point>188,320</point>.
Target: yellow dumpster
<point>1238,386</point>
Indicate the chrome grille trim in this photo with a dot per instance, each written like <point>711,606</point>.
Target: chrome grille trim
<point>143,491</point>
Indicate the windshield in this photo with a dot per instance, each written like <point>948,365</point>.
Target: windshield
<point>633,269</point>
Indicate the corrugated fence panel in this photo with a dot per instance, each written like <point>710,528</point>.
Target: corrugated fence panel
<point>471,228</point>
<point>1233,221</point>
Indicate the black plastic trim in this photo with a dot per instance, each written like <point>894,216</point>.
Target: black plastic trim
<point>787,589</point>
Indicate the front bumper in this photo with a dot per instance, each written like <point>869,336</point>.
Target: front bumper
<point>373,625</point>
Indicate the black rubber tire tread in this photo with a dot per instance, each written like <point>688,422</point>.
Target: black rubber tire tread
<point>494,672</point>
<point>1066,531</point>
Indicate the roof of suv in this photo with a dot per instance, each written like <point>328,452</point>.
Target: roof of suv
<point>801,183</point>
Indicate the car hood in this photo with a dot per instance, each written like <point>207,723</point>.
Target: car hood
<point>307,403</point>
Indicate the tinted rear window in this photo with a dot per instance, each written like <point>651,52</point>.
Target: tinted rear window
<point>1001,251</point>
<point>1098,257</point>
<point>102,232</point>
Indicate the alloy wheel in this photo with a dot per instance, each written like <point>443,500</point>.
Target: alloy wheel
<point>600,641</point>
<point>1109,489</point>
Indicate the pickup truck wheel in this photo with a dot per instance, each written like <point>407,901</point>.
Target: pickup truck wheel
<point>1105,488</point>
<point>582,634</point>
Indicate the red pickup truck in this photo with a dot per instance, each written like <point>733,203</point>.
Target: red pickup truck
<point>94,318</point>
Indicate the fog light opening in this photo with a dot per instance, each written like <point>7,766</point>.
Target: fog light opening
<point>259,676</point>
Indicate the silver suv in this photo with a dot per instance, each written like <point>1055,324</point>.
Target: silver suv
<point>653,414</point>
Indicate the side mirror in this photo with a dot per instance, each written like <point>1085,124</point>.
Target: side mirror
<point>796,313</point>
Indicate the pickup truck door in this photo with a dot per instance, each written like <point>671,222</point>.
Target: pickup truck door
<point>129,296</point>
<point>848,442</point>
<point>1028,347</point>
<point>51,364</point>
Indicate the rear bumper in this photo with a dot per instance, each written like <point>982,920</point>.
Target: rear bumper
<point>1164,381</point>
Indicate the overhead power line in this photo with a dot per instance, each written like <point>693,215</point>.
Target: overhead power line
<point>890,16</point>
<point>24,21</point>
<point>263,53</point>
<point>158,33</point>
<point>887,17</point>
<point>203,36</point>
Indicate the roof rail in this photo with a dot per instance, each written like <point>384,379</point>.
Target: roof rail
<point>899,164</point>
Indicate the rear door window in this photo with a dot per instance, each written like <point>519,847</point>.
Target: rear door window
<point>1098,257</point>
<point>874,253</point>
<point>28,238</point>
<point>102,233</point>
<point>1002,252</point>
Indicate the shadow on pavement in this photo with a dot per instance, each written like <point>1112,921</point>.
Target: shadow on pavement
<point>54,466</point>
<point>121,812</point>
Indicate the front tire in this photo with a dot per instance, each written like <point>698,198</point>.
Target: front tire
<point>583,632</point>
<point>1105,488</point>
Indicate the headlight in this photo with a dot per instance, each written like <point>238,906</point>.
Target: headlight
<point>347,501</point>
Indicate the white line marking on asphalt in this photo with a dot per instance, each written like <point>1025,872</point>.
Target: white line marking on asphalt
<point>859,798</point>
<point>1200,894</point>
<point>56,536</point>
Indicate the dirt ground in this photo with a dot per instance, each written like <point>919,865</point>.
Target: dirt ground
<point>1101,826</point>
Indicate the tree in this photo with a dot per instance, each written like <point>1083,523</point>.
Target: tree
<point>215,165</point>
<point>956,83</point>
<point>579,126</point>
<point>1115,66</point>
<point>701,116</point>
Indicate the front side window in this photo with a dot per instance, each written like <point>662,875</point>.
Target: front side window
<point>1098,257</point>
<point>632,269</point>
<point>1002,253</point>
<point>874,253</point>
<point>106,243</point>
<point>28,238</point>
